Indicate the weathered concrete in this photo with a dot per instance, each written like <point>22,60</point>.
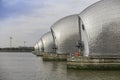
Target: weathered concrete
<point>40,54</point>
<point>94,63</point>
<point>54,57</point>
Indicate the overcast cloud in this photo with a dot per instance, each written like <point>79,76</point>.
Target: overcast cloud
<point>28,20</point>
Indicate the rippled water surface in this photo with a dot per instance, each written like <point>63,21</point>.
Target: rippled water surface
<point>26,66</point>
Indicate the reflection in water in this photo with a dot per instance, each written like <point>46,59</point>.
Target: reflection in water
<point>93,75</point>
<point>26,66</point>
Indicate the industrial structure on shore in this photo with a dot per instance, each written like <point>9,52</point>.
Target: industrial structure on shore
<point>90,39</point>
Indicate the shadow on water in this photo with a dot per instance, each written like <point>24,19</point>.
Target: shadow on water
<point>55,70</point>
<point>92,75</point>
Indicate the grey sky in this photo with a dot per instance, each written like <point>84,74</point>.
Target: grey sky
<point>28,20</point>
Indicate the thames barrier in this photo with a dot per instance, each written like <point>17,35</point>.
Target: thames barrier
<point>88,40</point>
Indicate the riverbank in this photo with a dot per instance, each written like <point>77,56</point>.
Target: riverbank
<point>19,49</point>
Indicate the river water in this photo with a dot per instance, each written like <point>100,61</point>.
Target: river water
<point>26,66</point>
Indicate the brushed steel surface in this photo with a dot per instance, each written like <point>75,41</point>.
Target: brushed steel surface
<point>36,48</point>
<point>102,25</point>
<point>48,42</point>
<point>66,34</point>
<point>40,46</point>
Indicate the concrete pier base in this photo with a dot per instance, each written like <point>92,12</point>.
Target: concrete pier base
<point>37,54</point>
<point>94,63</point>
<point>54,57</point>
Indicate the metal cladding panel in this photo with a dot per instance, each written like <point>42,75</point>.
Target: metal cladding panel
<point>40,44</point>
<point>36,49</point>
<point>66,34</point>
<point>48,43</point>
<point>102,24</point>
